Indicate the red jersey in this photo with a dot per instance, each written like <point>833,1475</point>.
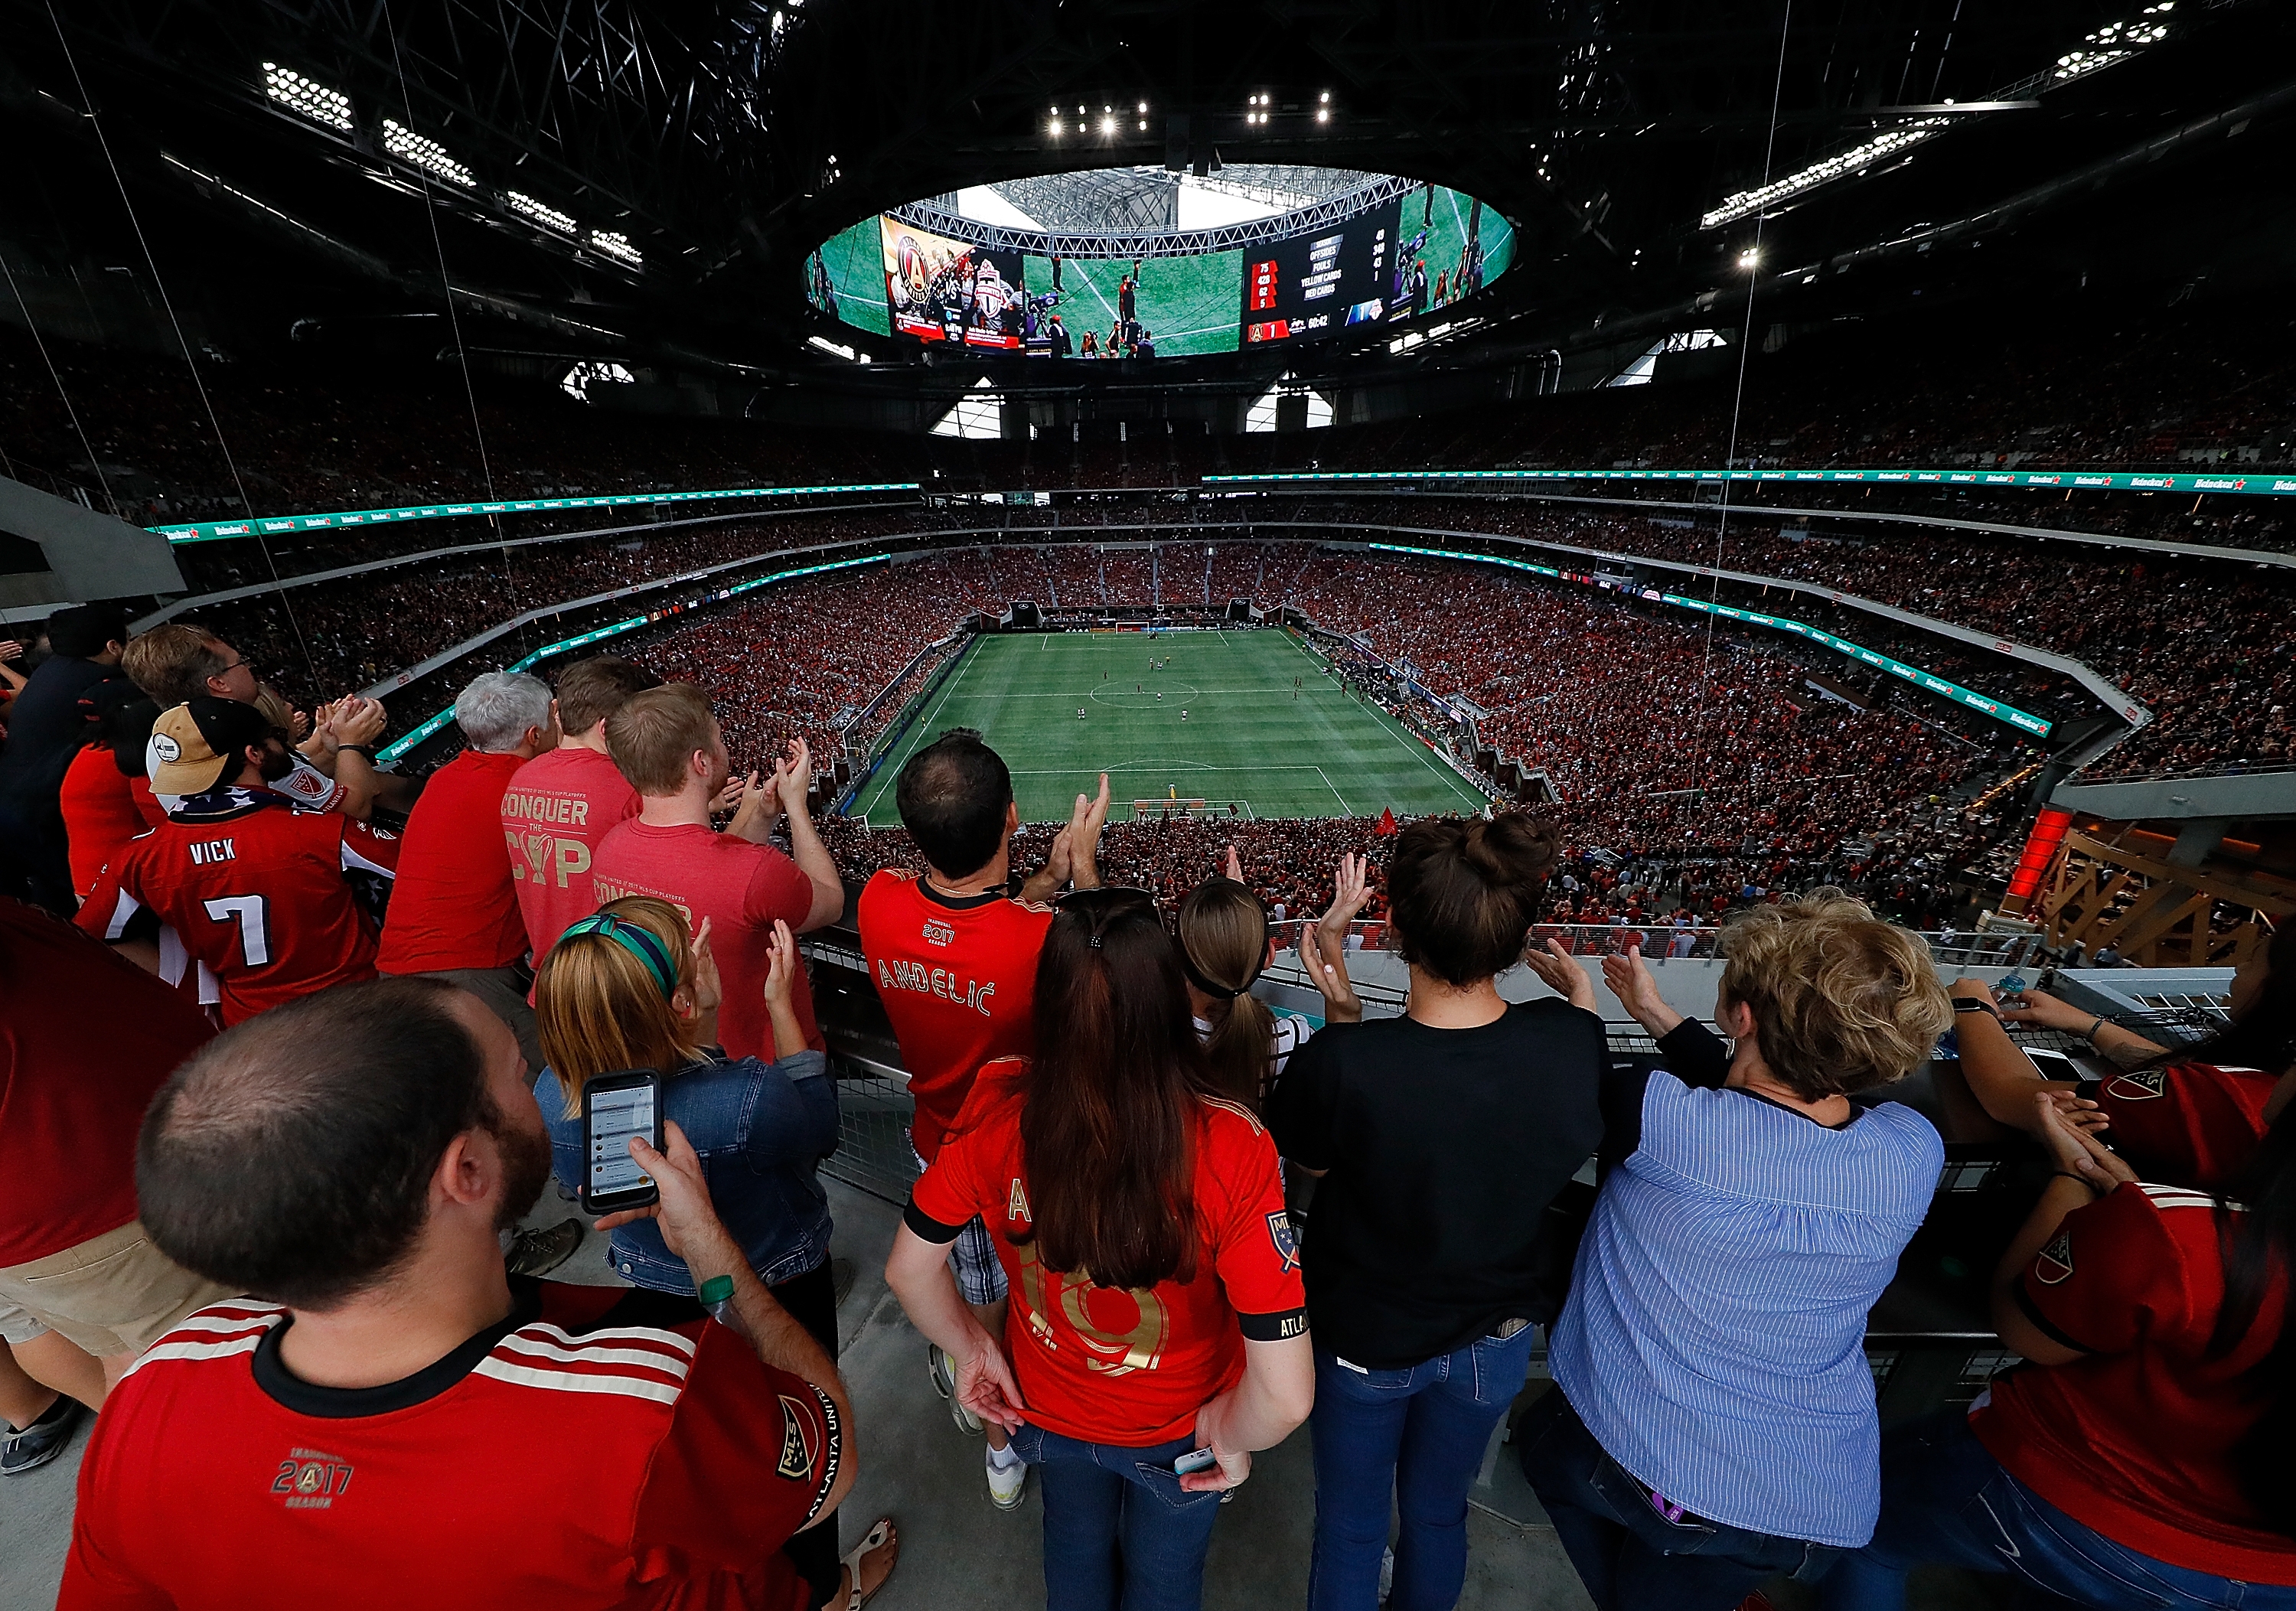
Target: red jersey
<point>103,809</point>
<point>741,888</point>
<point>2135,1438</point>
<point>72,1096</point>
<point>454,904</point>
<point>254,887</point>
<point>958,978</point>
<point>2189,1124</point>
<point>1104,1364</point>
<point>559,1460</point>
<point>559,806</point>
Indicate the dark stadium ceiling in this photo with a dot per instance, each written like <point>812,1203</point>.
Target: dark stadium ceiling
<point>645,178</point>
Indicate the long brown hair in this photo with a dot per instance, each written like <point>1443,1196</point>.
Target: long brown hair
<point>1110,1105</point>
<point>1223,947</point>
<point>597,1008</point>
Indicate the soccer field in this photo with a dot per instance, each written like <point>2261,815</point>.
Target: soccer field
<point>1246,738</point>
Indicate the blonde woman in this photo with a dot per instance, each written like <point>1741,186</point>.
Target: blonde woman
<point>1712,1422</point>
<point>628,988</point>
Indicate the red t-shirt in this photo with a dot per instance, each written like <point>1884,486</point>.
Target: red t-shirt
<point>562,1459</point>
<point>2134,1438</point>
<point>86,1039</point>
<point>958,979</point>
<point>254,887</point>
<point>741,888</point>
<point>103,809</point>
<point>559,806</point>
<point>2189,1124</point>
<point>454,904</point>
<point>1104,1364</point>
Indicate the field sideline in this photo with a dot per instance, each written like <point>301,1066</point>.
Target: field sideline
<point>1245,737</point>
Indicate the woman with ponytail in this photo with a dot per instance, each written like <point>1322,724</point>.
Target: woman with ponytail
<point>1156,1335</point>
<point>2142,1455</point>
<point>1441,1137</point>
<point>1223,948</point>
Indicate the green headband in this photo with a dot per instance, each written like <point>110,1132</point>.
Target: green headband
<point>640,943</point>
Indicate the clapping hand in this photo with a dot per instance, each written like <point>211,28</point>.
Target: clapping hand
<point>708,992</point>
<point>1233,870</point>
<point>794,777</point>
<point>1560,975</point>
<point>781,965</point>
<point>1630,982</point>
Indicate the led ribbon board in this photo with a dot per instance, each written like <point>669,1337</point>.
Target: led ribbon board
<point>270,525</point>
<point>2024,721</point>
<point>2283,486</point>
<point>397,747</point>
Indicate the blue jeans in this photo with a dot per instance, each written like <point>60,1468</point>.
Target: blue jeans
<point>1413,1441</point>
<point>1121,1534</point>
<point>1945,1499</point>
<point>1631,1556</point>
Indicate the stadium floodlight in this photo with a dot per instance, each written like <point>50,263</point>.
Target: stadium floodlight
<point>615,245</point>
<point>1322,114</point>
<point>2114,42</point>
<point>540,211</point>
<point>313,100</point>
<point>1745,204</point>
<point>1750,259</point>
<point>1143,109</point>
<point>1108,126</point>
<point>423,152</point>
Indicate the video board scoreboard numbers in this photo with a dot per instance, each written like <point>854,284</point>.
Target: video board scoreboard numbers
<point>1316,284</point>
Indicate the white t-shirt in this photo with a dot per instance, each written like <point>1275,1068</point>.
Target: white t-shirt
<point>1291,1034</point>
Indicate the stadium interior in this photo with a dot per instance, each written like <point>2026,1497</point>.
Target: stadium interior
<point>1781,449</point>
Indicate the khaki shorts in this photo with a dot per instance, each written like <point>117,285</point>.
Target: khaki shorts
<point>112,1294</point>
<point>17,1326</point>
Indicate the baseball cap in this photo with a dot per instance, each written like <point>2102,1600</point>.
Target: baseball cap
<point>196,746</point>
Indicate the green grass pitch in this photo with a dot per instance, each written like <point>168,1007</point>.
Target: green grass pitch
<point>1246,738</point>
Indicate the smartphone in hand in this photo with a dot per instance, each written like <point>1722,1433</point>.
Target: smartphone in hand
<point>615,1107</point>
<point>1193,1461</point>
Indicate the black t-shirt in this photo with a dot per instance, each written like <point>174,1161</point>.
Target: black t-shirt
<point>45,727</point>
<point>1444,1147</point>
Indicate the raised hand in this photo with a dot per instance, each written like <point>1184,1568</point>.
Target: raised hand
<point>1631,983</point>
<point>794,776</point>
<point>1557,971</point>
<point>1234,868</point>
<point>709,992</point>
<point>1328,971</point>
<point>781,965</point>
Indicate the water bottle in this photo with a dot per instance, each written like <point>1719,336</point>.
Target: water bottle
<point>718,1298</point>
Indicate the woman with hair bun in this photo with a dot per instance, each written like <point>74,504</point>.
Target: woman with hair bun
<point>1712,1422</point>
<point>1442,1136</point>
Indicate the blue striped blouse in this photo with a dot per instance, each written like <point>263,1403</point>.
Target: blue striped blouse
<point>1713,1339</point>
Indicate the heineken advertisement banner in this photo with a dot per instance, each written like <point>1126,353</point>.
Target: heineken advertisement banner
<point>422,730</point>
<point>2024,721</point>
<point>268,525</point>
<point>2283,486</point>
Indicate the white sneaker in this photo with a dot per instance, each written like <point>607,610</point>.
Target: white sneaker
<point>1006,1482</point>
<point>944,1381</point>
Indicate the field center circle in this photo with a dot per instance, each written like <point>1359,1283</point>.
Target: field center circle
<point>1175,694</point>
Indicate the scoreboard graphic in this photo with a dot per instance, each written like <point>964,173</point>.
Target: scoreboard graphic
<point>1313,284</point>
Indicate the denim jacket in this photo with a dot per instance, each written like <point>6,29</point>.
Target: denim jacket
<point>759,1128</point>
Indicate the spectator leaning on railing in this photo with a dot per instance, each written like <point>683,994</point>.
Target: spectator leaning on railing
<point>1712,1420</point>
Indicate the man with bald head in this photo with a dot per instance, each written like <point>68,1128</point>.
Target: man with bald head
<point>389,1409</point>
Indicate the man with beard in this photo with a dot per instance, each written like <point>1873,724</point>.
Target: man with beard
<point>389,1419</point>
<point>668,743</point>
<point>257,889</point>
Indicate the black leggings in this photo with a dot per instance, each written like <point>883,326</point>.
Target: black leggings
<point>811,1300</point>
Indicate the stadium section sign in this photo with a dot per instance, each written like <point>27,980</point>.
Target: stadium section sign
<point>2282,486</point>
<point>267,525</point>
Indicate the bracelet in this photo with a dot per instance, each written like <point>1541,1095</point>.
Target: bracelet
<point>1970,1003</point>
<point>366,750</point>
<point>2090,1034</point>
<point>2068,1175</point>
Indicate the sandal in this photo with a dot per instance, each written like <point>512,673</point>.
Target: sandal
<point>880,1536</point>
